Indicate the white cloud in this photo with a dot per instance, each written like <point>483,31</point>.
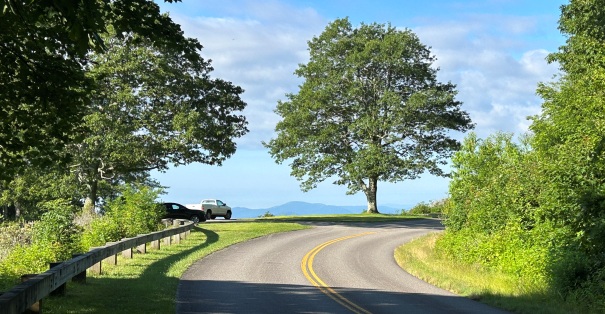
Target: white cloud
<point>259,53</point>
<point>496,76</point>
<point>495,70</point>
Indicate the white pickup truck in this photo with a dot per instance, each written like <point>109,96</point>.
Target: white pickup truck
<point>213,208</point>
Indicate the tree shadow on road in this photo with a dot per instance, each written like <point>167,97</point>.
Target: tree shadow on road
<point>209,296</point>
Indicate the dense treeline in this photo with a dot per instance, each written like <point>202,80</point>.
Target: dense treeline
<point>535,207</point>
<point>136,96</point>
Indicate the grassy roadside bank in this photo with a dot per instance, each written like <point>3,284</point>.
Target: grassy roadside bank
<point>153,277</point>
<point>500,290</point>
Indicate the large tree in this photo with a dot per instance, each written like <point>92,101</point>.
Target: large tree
<point>370,109</point>
<point>152,107</point>
<point>43,89</point>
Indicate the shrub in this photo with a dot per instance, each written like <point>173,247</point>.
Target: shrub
<point>27,259</point>
<point>267,214</point>
<point>434,207</point>
<point>134,212</point>
<point>100,231</point>
<point>56,228</point>
<point>13,234</point>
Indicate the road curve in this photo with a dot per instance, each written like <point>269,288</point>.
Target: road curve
<point>331,268</point>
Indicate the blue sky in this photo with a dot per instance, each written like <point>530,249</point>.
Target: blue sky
<point>493,50</point>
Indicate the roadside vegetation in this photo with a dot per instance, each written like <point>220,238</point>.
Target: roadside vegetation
<point>500,289</point>
<point>527,212</point>
<point>157,272</point>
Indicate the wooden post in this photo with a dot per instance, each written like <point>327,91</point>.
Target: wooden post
<point>142,248</point>
<point>155,244</point>
<point>96,268</point>
<point>60,291</point>
<point>127,253</point>
<point>36,307</point>
<point>111,260</point>
<point>81,277</point>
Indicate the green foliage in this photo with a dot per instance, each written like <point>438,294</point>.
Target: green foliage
<point>13,234</point>
<point>423,208</point>
<point>152,106</point>
<point>54,238</point>
<point>590,292</point>
<point>100,231</point>
<point>267,214</point>
<point>496,216</point>
<point>493,182</point>
<point>49,39</point>
<point>370,109</point>
<point>57,229</point>
<point>134,212</point>
<point>28,259</point>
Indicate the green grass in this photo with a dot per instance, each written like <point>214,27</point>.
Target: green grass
<point>500,290</point>
<point>343,218</point>
<point>148,282</point>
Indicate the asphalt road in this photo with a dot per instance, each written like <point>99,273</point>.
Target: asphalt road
<point>331,268</point>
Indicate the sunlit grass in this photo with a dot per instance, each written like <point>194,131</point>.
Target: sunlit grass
<point>148,282</point>
<point>344,218</point>
<point>498,289</point>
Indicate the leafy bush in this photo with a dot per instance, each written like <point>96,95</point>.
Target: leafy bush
<point>422,208</point>
<point>13,234</point>
<point>267,214</point>
<point>134,212</point>
<point>56,228</point>
<point>100,231</point>
<point>31,259</point>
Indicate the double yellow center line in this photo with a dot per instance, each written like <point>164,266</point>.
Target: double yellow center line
<point>307,268</point>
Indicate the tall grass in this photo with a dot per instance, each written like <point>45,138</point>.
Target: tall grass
<point>420,259</point>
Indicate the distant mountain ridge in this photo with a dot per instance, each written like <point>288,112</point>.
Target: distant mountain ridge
<point>304,208</point>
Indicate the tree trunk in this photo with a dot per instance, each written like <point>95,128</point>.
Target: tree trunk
<point>371,196</point>
<point>17,212</point>
<point>91,199</point>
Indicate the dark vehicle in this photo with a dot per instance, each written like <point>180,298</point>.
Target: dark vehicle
<point>178,211</point>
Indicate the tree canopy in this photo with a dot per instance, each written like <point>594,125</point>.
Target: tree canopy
<point>153,107</point>
<point>99,93</point>
<point>370,109</point>
<point>43,89</point>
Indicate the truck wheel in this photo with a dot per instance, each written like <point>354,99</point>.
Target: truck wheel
<point>228,215</point>
<point>209,215</point>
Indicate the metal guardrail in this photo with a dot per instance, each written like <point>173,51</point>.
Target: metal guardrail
<point>22,296</point>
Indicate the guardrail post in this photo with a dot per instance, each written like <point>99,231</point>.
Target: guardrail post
<point>111,260</point>
<point>96,268</point>
<point>127,253</point>
<point>177,237</point>
<point>60,291</point>
<point>166,222</point>
<point>142,248</point>
<point>155,244</point>
<point>81,277</point>
<point>36,307</point>
<point>167,240</point>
